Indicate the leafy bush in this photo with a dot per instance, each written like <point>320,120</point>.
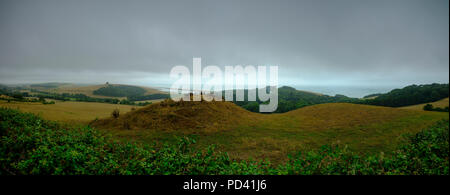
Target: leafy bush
<point>115,113</point>
<point>30,145</point>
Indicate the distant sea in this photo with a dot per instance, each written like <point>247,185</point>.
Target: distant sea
<point>350,91</point>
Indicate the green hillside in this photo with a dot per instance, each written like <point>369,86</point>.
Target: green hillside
<point>119,91</point>
<point>411,95</point>
<point>30,145</point>
<point>290,99</point>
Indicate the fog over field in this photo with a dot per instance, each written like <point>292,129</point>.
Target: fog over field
<point>314,43</point>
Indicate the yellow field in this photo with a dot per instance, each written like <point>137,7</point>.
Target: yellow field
<point>69,112</point>
<point>437,104</point>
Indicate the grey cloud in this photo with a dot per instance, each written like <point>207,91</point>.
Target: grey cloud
<point>313,41</point>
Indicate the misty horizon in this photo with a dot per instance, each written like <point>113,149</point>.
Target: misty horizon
<point>369,44</point>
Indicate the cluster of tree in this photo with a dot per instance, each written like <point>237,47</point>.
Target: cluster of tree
<point>40,96</point>
<point>410,95</point>
<point>132,93</point>
<point>430,107</point>
<point>290,99</point>
<point>15,95</point>
<point>72,97</point>
<point>128,102</point>
<point>119,91</point>
<point>148,97</point>
<point>46,85</point>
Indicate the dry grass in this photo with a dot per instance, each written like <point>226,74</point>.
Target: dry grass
<point>437,104</point>
<point>243,134</point>
<point>246,135</point>
<point>69,112</point>
<point>180,116</point>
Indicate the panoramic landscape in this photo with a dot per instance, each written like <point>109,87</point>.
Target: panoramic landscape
<point>358,90</point>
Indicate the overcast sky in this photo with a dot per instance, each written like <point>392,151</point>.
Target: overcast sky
<point>314,42</point>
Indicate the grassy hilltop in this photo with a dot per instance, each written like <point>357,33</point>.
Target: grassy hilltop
<point>244,134</point>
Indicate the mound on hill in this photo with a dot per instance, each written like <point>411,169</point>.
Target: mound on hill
<point>244,134</point>
<point>179,116</point>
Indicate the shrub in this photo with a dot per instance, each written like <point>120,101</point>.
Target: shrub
<point>115,113</point>
<point>428,107</point>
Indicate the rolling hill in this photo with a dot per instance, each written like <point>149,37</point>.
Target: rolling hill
<point>88,90</point>
<point>180,116</point>
<point>409,95</point>
<point>244,134</point>
<point>290,98</point>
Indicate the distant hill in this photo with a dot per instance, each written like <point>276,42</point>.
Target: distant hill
<point>245,134</point>
<point>96,91</point>
<point>119,91</point>
<point>48,85</point>
<point>290,98</point>
<point>410,95</point>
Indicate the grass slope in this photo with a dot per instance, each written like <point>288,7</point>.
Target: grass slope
<point>245,135</point>
<point>437,104</point>
<point>186,116</point>
<point>32,146</point>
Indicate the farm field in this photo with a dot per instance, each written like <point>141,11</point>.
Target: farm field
<point>68,111</point>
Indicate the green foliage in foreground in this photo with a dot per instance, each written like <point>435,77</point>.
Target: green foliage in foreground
<point>30,145</point>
